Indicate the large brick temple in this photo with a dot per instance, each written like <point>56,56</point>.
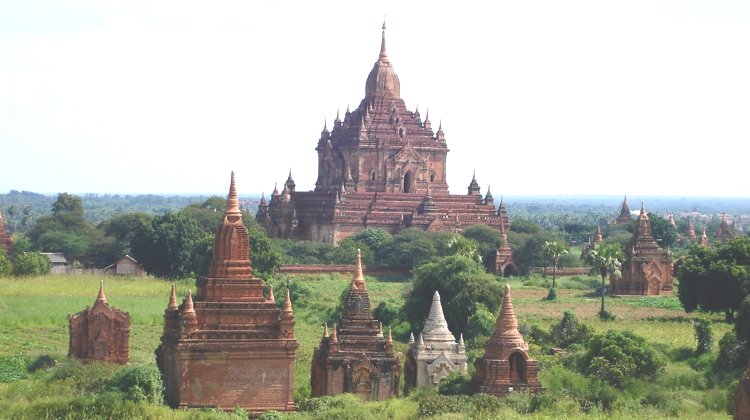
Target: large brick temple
<point>382,166</point>
<point>229,346</point>
<point>648,267</point>
<point>356,357</point>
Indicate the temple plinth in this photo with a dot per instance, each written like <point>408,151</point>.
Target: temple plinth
<point>356,357</point>
<point>506,365</point>
<point>229,346</point>
<point>100,333</point>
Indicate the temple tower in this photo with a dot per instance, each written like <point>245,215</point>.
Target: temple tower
<point>691,230</point>
<point>624,216</point>
<point>100,333</point>
<point>723,233</point>
<point>505,265</point>
<point>355,357</point>
<point>436,354</point>
<point>506,365</point>
<point>648,267</point>
<point>229,346</point>
<point>598,234</point>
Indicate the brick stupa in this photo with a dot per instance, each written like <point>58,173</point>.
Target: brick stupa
<point>506,365</point>
<point>229,346</point>
<point>6,243</point>
<point>436,354</point>
<point>723,233</point>
<point>505,265</point>
<point>624,217</point>
<point>355,357</point>
<point>648,267</point>
<point>100,333</point>
<point>375,168</point>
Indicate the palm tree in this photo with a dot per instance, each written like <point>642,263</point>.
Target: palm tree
<point>607,260</point>
<point>554,250</point>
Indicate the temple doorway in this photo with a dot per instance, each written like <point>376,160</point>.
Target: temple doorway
<point>517,368</point>
<point>409,182</point>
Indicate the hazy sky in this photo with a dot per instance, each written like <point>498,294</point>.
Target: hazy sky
<point>539,97</point>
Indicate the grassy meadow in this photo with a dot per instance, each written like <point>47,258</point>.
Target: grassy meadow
<point>33,325</point>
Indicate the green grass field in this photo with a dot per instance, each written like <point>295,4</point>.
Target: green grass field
<point>33,322</point>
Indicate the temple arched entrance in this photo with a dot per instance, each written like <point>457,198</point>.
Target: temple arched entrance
<point>517,368</point>
<point>409,182</point>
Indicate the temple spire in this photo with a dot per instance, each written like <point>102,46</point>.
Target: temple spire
<point>271,298</point>
<point>383,55</point>
<point>233,204</point>
<point>358,282</point>
<point>172,306</point>
<point>101,297</point>
<point>189,304</point>
<point>287,308</point>
<point>325,330</point>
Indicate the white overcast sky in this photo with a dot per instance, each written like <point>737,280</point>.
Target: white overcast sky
<point>539,97</point>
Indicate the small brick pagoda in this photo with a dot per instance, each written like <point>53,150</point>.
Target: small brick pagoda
<point>100,333</point>
<point>505,265</point>
<point>691,230</point>
<point>436,354</point>
<point>624,217</point>
<point>355,357</point>
<point>506,365</point>
<point>648,268</point>
<point>230,346</point>
<point>598,238</point>
<point>6,243</point>
<point>382,166</point>
<point>723,233</point>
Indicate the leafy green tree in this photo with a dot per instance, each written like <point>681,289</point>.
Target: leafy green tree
<point>407,249</point>
<point>304,252</point>
<point>6,266</point>
<point>554,251</point>
<point>487,239</point>
<point>264,254</point>
<point>618,356</point>
<point>68,205</point>
<point>570,330</point>
<point>533,252</point>
<point>346,252</point>
<point>663,231</point>
<point>703,335</point>
<point>372,237</point>
<point>173,246</point>
<point>715,279</point>
<point>605,259</point>
<point>459,245</point>
<point>31,264</point>
<point>208,213</point>
<point>462,284</point>
<point>480,323</point>
<point>525,226</point>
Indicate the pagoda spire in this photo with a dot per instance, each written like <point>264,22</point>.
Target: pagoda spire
<point>436,327</point>
<point>189,309</point>
<point>287,308</point>
<point>325,330</point>
<point>233,204</point>
<point>383,55</point>
<point>172,305</point>
<point>101,297</point>
<point>271,298</point>
<point>358,282</point>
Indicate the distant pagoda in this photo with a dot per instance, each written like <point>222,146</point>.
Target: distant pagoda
<point>230,346</point>
<point>648,267</point>
<point>6,243</point>
<point>624,217</point>
<point>723,233</point>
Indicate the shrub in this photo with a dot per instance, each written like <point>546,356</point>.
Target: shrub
<point>480,323</point>
<point>385,313</point>
<point>733,353</point>
<point>6,266</point>
<point>703,335</point>
<point>456,383</point>
<point>569,331</point>
<point>552,295</point>
<point>139,383</point>
<point>31,264</point>
<point>270,415</point>
<point>12,367</point>
<point>616,356</point>
<point>433,405</point>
